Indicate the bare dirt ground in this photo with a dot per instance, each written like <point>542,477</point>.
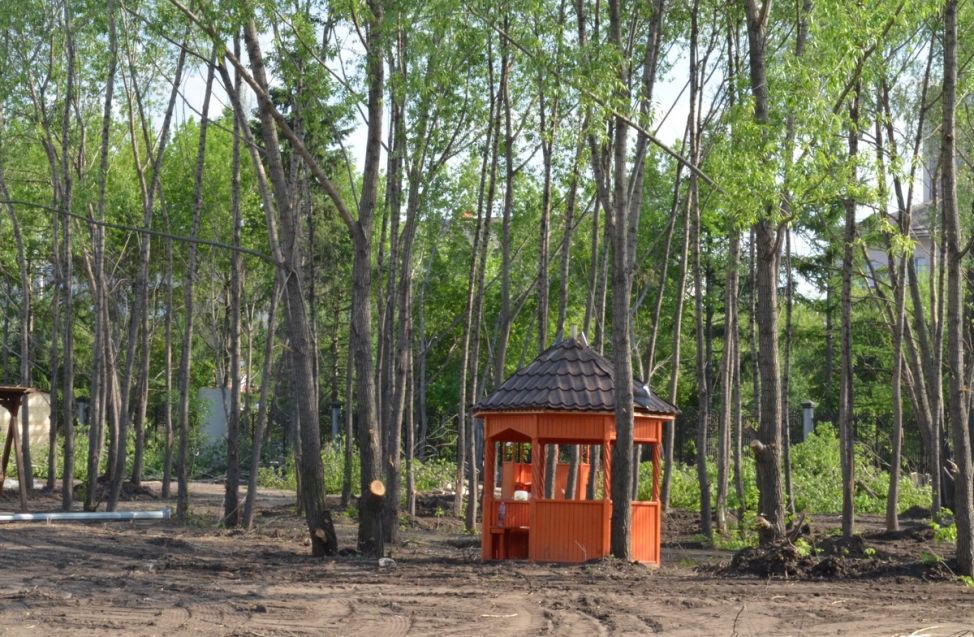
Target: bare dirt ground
<point>151,578</point>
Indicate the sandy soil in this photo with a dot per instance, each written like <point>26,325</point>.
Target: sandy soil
<point>145,578</point>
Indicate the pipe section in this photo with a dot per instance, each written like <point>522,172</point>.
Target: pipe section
<point>87,516</point>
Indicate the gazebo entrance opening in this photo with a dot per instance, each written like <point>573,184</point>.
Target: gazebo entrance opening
<point>516,471</point>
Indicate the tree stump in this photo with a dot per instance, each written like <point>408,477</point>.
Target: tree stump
<point>371,506</point>
<point>323,540</point>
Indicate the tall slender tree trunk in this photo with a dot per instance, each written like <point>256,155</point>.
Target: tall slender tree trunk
<point>958,405</point>
<point>182,492</point>
<point>348,426</point>
<point>504,318</point>
<point>574,454</point>
<point>899,291</point>
<point>800,38</point>
<point>139,303</point>
<point>752,325</point>
<point>284,245</point>
<point>846,400</point>
<point>623,224</point>
<point>370,522</point>
<point>669,442</point>
<point>391,382</point>
<point>476,383</point>
<point>767,445</point>
<point>231,499</point>
<point>142,402</point>
<point>897,269</point>
<point>67,403</point>
<point>693,203</point>
<point>727,379</point>
<point>471,331</point>
<point>169,434</point>
<point>786,375</point>
<point>260,426</point>
<point>738,420</point>
<point>411,437</point>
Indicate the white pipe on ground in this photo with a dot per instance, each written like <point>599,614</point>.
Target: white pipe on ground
<point>86,516</point>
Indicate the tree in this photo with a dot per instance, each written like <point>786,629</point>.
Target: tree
<point>846,400</point>
<point>182,500</point>
<point>957,400</point>
<point>767,232</point>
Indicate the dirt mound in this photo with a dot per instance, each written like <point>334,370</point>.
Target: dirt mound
<point>434,505</point>
<point>915,512</point>
<point>848,547</point>
<point>912,534</point>
<point>784,559</point>
<point>894,555</point>
<point>838,558</point>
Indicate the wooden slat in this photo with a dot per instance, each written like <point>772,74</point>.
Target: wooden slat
<point>646,532</point>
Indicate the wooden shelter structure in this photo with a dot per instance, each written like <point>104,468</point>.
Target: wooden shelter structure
<point>564,397</point>
<point>10,399</point>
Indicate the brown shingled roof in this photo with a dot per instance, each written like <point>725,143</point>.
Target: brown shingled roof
<point>568,376</point>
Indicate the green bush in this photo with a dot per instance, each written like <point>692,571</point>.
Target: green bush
<point>685,488</point>
<point>434,474</point>
<point>817,476</point>
<point>945,532</point>
<point>284,476</point>
<point>333,457</point>
<point>816,479</point>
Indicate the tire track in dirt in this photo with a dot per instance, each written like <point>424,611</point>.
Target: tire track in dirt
<point>63,614</point>
<point>390,611</point>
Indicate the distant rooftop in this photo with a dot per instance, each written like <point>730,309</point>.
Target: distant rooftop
<point>568,376</point>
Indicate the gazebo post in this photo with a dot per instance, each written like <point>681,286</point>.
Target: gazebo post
<point>606,495</point>
<point>490,475</point>
<point>10,398</point>
<point>537,469</point>
<point>656,463</point>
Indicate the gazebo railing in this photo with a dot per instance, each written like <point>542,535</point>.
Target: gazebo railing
<point>517,513</point>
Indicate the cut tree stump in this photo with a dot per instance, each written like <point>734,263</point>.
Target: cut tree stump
<point>372,503</point>
<point>324,541</point>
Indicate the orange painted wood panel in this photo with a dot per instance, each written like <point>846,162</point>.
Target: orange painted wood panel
<point>515,513</point>
<point>524,424</point>
<point>646,532</point>
<point>648,429</point>
<point>566,531</point>
<point>515,476</point>
<point>579,427</point>
<point>510,540</point>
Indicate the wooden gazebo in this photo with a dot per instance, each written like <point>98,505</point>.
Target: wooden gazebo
<point>10,399</point>
<point>564,397</point>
